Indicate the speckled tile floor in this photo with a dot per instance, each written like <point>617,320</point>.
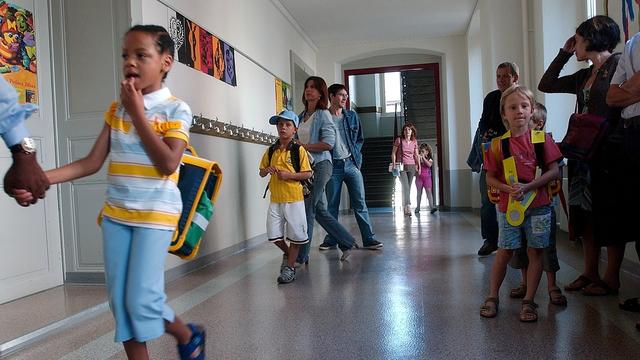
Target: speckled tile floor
<point>418,298</point>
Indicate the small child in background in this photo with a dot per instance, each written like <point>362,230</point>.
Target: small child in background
<point>550,263</point>
<point>516,107</point>
<point>423,180</point>
<point>286,210</point>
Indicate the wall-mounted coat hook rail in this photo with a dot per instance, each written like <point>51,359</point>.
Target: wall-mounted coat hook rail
<point>215,127</point>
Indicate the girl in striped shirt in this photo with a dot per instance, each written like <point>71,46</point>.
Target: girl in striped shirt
<point>145,135</point>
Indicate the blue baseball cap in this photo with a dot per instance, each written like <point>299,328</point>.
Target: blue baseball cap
<point>287,115</point>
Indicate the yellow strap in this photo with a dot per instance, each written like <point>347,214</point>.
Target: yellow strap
<point>537,136</point>
<point>516,209</point>
<point>510,173</point>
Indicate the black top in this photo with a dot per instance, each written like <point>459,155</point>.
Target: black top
<point>491,124</point>
<point>552,82</point>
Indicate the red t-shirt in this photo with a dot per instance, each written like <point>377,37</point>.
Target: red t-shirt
<point>524,154</point>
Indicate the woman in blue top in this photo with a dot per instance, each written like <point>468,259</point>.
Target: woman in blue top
<point>317,134</point>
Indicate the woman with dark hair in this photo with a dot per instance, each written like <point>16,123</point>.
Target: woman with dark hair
<point>405,149</point>
<point>317,134</point>
<point>594,40</point>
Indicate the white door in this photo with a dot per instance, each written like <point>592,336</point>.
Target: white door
<point>87,47</point>
<point>30,256</point>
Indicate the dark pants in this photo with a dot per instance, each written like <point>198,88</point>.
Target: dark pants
<point>488,217</point>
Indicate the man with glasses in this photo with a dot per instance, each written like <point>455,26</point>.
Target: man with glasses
<point>347,160</point>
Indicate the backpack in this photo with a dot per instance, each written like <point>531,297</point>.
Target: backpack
<point>199,184</point>
<point>500,145</point>
<point>294,149</point>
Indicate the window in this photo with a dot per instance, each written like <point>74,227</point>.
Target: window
<point>392,92</point>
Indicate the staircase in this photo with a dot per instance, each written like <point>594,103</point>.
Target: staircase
<point>378,181</point>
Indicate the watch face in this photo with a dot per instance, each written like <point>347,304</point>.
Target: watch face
<point>28,145</point>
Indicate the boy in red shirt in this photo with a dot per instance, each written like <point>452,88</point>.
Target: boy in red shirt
<point>524,205</point>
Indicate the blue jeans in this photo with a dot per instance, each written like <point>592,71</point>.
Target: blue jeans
<point>488,216</point>
<point>346,171</point>
<point>316,209</point>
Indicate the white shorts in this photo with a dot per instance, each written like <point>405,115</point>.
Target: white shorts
<point>293,216</point>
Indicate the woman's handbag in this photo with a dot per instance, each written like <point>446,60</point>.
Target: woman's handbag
<point>583,137</point>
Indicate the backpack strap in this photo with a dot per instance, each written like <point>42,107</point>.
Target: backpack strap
<point>272,149</point>
<point>538,138</point>
<point>294,151</point>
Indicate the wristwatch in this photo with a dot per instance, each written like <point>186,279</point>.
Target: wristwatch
<point>26,146</point>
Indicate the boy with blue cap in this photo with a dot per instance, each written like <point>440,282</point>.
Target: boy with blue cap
<point>286,209</point>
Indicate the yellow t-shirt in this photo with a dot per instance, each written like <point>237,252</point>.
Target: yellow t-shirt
<point>285,191</point>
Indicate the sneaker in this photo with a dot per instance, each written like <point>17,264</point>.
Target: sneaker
<point>487,249</point>
<point>433,210</point>
<point>194,349</point>
<point>417,211</point>
<point>345,254</point>
<point>287,275</point>
<point>325,246</point>
<point>373,245</point>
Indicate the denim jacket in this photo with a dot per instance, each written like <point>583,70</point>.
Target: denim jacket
<point>353,130</point>
<point>322,130</point>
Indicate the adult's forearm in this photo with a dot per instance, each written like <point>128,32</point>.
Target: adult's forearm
<point>618,96</point>
<point>318,147</point>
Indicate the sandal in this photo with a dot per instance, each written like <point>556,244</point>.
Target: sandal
<point>578,283</point>
<point>528,312</point>
<point>194,349</point>
<point>599,288</point>
<point>490,307</point>
<point>632,305</point>
<point>518,292</point>
<point>556,297</point>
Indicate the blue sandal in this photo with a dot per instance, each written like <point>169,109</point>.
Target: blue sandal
<point>194,349</point>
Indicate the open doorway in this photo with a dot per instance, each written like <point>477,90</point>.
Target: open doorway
<point>386,97</point>
<point>300,71</point>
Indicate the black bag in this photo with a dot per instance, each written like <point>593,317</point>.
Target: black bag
<point>294,150</point>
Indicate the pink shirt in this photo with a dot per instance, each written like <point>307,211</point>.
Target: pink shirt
<point>408,151</point>
<point>524,153</point>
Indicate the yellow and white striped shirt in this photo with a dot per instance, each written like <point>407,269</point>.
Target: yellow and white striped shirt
<point>137,193</point>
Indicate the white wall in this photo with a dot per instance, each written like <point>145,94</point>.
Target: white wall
<point>454,83</point>
<point>563,17</point>
<point>240,209</point>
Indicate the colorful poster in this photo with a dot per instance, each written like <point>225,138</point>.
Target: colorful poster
<point>283,96</point>
<point>229,65</point>
<point>18,63</point>
<point>199,49</point>
<point>218,58</point>
<point>206,52</point>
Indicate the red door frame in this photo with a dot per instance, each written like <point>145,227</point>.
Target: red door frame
<point>436,71</point>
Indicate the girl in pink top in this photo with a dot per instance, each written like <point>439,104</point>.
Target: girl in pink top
<point>423,179</point>
<point>405,148</point>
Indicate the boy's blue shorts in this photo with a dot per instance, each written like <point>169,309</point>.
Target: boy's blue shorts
<point>536,227</point>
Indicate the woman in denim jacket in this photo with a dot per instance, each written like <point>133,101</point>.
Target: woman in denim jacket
<point>317,134</point>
